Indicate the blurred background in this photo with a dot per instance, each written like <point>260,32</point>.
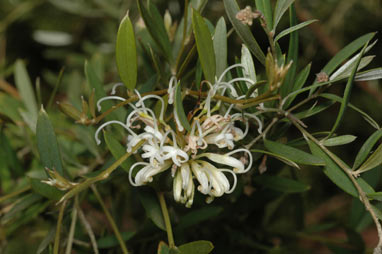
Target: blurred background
<point>54,36</point>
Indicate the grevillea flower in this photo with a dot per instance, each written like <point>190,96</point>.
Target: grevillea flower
<point>195,158</point>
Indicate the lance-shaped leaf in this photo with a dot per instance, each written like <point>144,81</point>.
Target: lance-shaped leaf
<point>204,45</point>
<point>220,46</point>
<point>366,148</point>
<point>369,75</point>
<point>299,82</point>
<point>340,140</point>
<point>346,52</point>
<point>374,160</point>
<point>288,85</point>
<point>243,31</point>
<point>47,144</point>
<point>45,190</point>
<point>249,70</point>
<point>293,154</point>
<point>277,156</point>
<point>337,175</point>
<point>281,184</point>
<point>126,53</point>
<point>281,7</point>
<point>347,92</point>
<point>294,28</point>
<point>179,110</point>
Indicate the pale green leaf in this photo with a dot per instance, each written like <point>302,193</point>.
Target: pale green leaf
<point>374,160</point>
<point>369,75</point>
<point>220,47</point>
<point>340,140</point>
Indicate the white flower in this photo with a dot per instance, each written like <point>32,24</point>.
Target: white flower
<point>145,174</point>
<point>183,183</point>
<point>226,159</point>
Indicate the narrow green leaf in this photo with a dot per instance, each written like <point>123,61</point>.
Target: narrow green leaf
<point>300,81</point>
<point>366,148</point>
<point>277,156</point>
<point>346,69</point>
<point>340,140</point>
<point>48,239</point>
<point>179,110</point>
<point>126,53</point>
<point>243,31</point>
<point>347,92</point>
<point>150,203</point>
<point>117,150</point>
<point>25,88</point>
<point>293,154</point>
<point>374,160</point>
<point>249,70</point>
<point>337,175</point>
<point>313,111</point>
<point>294,28</point>
<point>265,7</point>
<point>281,7</point>
<point>199,247</point>
<point>45,190</point>
<point>204,45</point>
<point>47,144</point>
<point>281,184</point>
<point>346,52</point>
<point>220,47</point>
<point>288,85</point>
<point>336,98</point>
<point>155,25</point>
<point>9,107</point>
<point>369,75</point>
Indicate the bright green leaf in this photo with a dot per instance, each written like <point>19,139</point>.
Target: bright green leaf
<point>281,184</point>
<point>277,156</point>
<point>204,45</point>
<point>300,81</point>
<point>47,144</point>
<point>126,53</point>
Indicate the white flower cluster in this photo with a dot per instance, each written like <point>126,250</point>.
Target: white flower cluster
<point>186,153</point>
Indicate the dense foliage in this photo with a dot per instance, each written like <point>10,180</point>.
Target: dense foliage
<point>187,127</point>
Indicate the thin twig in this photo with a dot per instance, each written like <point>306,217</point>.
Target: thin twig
<point>87,227</point>
<point>349,173</point>
<point>71,231</point>
<point>111,220</point>
<point>14,194</point>
<point>58,229</point>
<point>166,218</point>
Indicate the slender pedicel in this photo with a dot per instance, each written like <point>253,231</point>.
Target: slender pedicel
<point>228,69</point>
<point>106,124</point>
